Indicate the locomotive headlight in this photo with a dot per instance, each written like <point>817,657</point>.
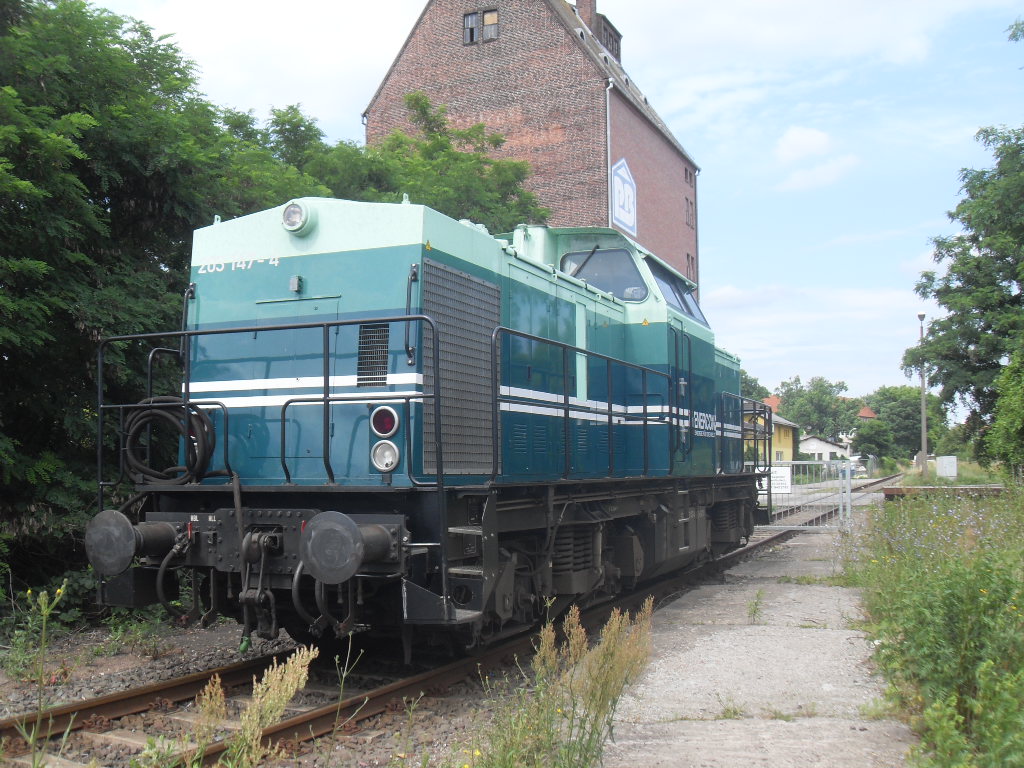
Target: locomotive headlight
<point>384,456</point>
<point>298,218</point>
<point>384,421</point>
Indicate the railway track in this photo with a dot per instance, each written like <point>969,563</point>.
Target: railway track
<point>820,512</point>
<point>100,721</point>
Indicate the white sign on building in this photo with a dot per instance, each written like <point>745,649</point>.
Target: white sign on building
<point>623,198</point>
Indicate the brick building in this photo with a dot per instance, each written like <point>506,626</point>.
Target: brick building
<point>548,75</point>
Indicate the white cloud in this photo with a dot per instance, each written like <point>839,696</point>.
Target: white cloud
<point>857,335</point>
<point>798,143</point>
<point>821,175</point>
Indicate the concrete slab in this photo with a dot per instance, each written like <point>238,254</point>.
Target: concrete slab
<point>764,669</point>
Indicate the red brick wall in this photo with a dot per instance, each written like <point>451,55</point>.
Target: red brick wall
<point>532,83</point>
<point>659,171</point>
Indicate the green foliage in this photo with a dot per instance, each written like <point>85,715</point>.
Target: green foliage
<point>751,387</point>
<point>109,159</point>
<point>1005,440</point>
<point>873,437</point>
<point>944,584</point>
<point>899,408</point>
<point>981,288</point>
<point>818,406</point>
<point>451,170</point>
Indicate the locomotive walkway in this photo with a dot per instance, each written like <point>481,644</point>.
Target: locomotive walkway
<point>764,669</point>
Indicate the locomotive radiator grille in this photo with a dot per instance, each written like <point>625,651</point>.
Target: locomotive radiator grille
<point>372,367</point>
<point>466,310</point>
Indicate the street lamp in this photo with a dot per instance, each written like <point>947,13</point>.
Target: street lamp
<point>922,457</point>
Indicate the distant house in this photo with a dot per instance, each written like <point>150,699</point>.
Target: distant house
<point>820,449</point>
<point>785,434</point>
<point>866,413</point>
<point>785,439</point>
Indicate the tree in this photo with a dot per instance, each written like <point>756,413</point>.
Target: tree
<point>899,408</point>
<point>873,437</point>
<point>981,288</point>
<point>751,387</point>
<point>1005,440</point>
<point>818,407</point>
<point>109,159</point>
<point>451,170</point>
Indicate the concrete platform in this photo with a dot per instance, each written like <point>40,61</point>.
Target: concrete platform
<point>764,669</point>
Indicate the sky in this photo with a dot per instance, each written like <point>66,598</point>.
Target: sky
<point>830,137</point>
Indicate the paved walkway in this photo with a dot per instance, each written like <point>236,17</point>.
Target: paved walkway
<point>765,669</point>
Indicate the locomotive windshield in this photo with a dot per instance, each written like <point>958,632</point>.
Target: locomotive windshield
<point>676,292</point>
<point>611,270</point>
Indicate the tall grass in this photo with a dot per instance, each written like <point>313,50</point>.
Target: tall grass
<point>564,717</point>
<point>944,586</point>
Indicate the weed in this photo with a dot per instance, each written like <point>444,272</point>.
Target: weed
<point>564,718</point>
<point>43,607</point>
<point>756,607</point>
<point>882,708</point>
<point>808,710</point>
<point>244,748</point>
<point>943,583</point>
<point>810,580</point>
<point>730,709</point>
<point>344,669</point>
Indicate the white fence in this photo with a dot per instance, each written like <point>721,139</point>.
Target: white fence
<point>811,494</point>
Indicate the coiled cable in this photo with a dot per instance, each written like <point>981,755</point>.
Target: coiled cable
<point>193,426</point>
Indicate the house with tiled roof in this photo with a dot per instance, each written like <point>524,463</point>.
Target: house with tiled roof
<point>549,75</point>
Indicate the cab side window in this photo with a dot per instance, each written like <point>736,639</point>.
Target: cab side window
<point>676,292</point>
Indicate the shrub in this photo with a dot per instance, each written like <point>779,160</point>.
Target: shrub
<point>944,585</point>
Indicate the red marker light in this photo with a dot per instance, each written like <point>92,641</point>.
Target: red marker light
<point>384,421</point>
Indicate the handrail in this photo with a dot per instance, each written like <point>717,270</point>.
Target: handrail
<point>187,336</point>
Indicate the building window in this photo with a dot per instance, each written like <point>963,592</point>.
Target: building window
<point>490,25</point>
<point>691,214</point>
<point>778,455</point>
<point>479,25</point>
<point>470,25</point>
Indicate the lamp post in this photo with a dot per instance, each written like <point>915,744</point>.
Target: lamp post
<point>922,457</point>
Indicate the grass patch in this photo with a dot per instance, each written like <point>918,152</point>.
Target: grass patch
<point>807,580</point>
<point>730,709</point>
<point>943,580</point>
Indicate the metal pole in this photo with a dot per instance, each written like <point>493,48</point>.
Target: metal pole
<point>922,457</point>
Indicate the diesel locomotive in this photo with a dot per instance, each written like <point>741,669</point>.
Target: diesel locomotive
<point>387,421</point>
